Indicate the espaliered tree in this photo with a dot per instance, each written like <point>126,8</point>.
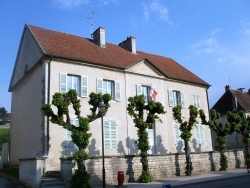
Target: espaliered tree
<point>221,130</point>
<point>80,135</point>
<point>144,116</point>
<point>242,126</point>
<point>186,128</point>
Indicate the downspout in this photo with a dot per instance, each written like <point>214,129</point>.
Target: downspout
<point>46,101</point>
<point>126,102</point>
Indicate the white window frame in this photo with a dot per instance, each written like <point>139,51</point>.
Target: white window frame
<point>145,91</point>
<point>172,98</point>
<point>200,136</point>
<point>115,88</point>
<point>110,134</point>
<point>82,90</point>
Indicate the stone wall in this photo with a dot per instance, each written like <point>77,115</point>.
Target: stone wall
<point>160,166</point>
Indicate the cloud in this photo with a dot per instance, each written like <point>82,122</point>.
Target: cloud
<point>245,26</point>
<point>155,8</point>
<point>69,4</point>
<point>215,31</point>
<point>207,46</point>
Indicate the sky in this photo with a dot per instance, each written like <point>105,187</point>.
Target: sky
<point>211,38</point>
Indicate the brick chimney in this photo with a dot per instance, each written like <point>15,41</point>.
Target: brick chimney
<point>99,37</point>
<point>227,87</point>
<point>129,44</point>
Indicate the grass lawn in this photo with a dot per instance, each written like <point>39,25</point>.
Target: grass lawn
<point>14,172</point>
<point>4,136</point>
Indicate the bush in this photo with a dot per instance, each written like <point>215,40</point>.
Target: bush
<point>145,177</point>
<point>80,180</point>
<point>11,171</point>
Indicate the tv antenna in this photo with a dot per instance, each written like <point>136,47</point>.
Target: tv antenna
<point>90,16</point>
<point>229,79</point>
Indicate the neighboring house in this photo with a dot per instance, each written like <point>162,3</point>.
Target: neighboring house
<point>232,100</point>
<point>48,62</point>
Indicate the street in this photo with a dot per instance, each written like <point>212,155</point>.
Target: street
<point>4,183</point>
<point>241,182</point>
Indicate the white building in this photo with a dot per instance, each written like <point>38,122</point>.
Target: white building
<point>48,62</point>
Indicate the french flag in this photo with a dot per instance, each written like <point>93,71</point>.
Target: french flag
<point>153,93</point>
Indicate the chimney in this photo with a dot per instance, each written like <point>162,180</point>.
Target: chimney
<point>99,37</point>
<point>129,44</point>
<point>241,89</point>
<point>227,87</point>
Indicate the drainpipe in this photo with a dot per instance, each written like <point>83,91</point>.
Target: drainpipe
<point>45,144</point>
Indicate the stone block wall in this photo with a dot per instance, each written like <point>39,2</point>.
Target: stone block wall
<point>160,166</point>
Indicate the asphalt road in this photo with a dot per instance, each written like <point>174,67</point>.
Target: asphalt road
<point>239,182</point>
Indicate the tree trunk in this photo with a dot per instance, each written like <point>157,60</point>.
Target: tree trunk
<point>189,166</point>
<point>144,160</point>
<point>247,158</point>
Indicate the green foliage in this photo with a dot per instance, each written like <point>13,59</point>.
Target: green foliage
<point>3,116</point>
<point>4,136</point>
<point>221,130</point>
<point>186,128</point>
<point>242,126</point>
<point>80,135</point>
<point>145,177</point>
<point>80,180</point>
<point>80,156</point>
<point>137,110</point>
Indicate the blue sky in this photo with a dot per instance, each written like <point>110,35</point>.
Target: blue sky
<point>211,38</point>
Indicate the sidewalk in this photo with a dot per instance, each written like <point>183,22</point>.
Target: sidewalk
<point>179,181</point>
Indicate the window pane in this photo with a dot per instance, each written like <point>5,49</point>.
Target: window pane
<point>108,87</point>
<point>145,92</point>
<point>73,82</point>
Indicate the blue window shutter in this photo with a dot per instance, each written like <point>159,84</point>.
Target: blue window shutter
<point>63,83</point>
<point>99,82</point>
<point>138,89</point>
<point>117,91</point>
<point>171,97</point>
<point>84,86</point>
<point>182,99</point>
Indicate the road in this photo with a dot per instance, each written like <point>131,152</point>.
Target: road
<point>239,182</point>
<point>4,183</point>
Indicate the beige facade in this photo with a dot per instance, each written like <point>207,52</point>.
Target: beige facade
<point>32,135</point>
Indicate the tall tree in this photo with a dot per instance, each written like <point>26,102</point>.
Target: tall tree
<point>80,135</point>
<point>3,115</point>
<point>144,116</point>
<point>242,126</point>
<point>221,130</point>
<point>186,128</point>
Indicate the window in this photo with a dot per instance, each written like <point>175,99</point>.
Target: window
<point>178,140</point>
<point>200,136</point>
<point>111,87</point>
<point>110,134</point>
<point>69,145</point>
<point>79,83</point>
<point>196,101</point>
<point>108,87</point>
<point>145,91</point>
<point>176,98</point>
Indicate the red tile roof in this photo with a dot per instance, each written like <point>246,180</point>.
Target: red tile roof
<point>81,49</point>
